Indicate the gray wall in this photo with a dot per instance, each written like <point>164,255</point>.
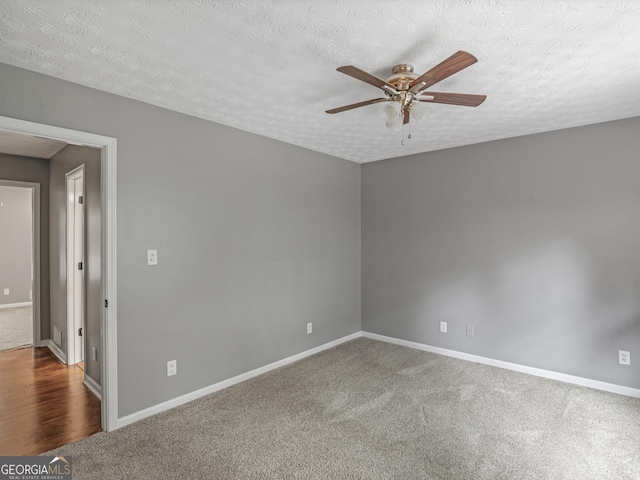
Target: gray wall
<point>255,238</point>
<point>533,240</point>
<point>34,170</point>
<point>15,244</point>
<point>63,162</point>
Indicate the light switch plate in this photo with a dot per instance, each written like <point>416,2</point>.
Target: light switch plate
<point>172,368</point>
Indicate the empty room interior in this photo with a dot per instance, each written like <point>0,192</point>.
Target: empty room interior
<point>321,239</point>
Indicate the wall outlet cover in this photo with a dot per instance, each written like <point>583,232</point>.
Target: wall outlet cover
<point>309,328</point>
<point>152,257</point>
<point>6,291</point>
<point>624,357</point>
<point>443,327</point>
<point>469,330</point>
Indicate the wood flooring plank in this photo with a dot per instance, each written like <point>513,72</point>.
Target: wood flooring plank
<point>43,403</point>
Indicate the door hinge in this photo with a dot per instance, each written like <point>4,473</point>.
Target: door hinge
<point>79,265</point>
<point>81,200</point>
<point>106,304</point>
<point>80,331</point>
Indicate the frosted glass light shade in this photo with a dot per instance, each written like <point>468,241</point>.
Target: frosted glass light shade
<point>418,111</point>
<point>396,125</point>
<point>391,111</point>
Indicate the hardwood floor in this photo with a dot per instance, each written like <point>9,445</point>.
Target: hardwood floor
<point>43,403</point>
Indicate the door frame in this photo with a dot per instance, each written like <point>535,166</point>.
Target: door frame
<point>73,355</point>
<point>35,252</point>
<point>108,320</point>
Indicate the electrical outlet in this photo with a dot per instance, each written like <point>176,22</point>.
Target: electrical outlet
<point>152,257</point>
<point>469,330</point>
<point>443,327</point>
<point>94,354</point>
<point>624,357</point>
<point>309,328</point>
<point>172,368</point>
<point>6,291</point>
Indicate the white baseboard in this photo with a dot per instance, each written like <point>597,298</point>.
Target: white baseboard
<point>538,372</point>
<point>92,385</point>
<point>175,402</point>
<point>16,305</point>
<point>56,350</point>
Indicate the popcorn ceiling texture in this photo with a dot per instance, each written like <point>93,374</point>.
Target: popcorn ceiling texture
<point>269,67</point>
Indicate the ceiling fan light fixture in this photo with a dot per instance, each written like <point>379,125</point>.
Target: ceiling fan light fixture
<point>418,111</point>
<point>391,111</point>
<point>393,115</point>
<point>396,125</point>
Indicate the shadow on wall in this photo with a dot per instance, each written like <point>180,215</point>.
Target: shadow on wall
<point>554,303</point>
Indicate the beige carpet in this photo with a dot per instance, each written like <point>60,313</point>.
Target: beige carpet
<point>371,410</point>
<point>16,328</point>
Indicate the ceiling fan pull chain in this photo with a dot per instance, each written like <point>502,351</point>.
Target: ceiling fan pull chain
<point>408,137</point>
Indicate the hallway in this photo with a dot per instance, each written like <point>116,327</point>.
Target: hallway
<point>43,403</point>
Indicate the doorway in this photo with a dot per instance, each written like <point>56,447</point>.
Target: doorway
<point>108,317</point>
<point>19,264</point>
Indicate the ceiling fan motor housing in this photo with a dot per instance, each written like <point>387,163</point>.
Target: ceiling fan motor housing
<point>401,76</point>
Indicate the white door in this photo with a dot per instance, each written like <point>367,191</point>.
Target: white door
<point>75,266</point>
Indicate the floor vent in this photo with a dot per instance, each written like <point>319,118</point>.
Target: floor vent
<point>57,336</point>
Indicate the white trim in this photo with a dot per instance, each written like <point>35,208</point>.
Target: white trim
<point>73,295</point>
<point>92,385</point>
<point>181,400</point>
<point>16,305</point>
<point>55,349</point>
<point>35,252</point>
<point>538,372</point>
<point>109,288</point>
<point>109,238</point>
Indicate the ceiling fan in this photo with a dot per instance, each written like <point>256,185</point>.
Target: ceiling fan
<point>404,89</point>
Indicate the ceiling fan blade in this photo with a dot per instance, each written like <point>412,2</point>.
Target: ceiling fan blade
<point>355,72</point>
<point>464,99</point>
<point>358,105</point>
<point>406,117</point>
<point>456,62</point>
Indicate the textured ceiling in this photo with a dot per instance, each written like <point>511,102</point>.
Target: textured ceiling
<point>269,67</point>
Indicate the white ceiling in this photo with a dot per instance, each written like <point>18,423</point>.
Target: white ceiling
<point>13,143</point>
<point>269,67</point>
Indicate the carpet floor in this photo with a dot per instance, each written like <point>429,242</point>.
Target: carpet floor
<point>372,410</point>
<point>16,328</point>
